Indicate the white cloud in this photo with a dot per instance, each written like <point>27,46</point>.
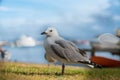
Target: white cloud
<point>13,22</point>
<point>70,11</point>
<point>49,20</point>
<point>92,6</point>
<point>3,8</point>
<point>81,11</point>
<point>21,21</point>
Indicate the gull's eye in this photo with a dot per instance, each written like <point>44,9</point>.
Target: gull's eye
<point>50,30</point>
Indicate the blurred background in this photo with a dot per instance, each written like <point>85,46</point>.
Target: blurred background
<point>22,21</point>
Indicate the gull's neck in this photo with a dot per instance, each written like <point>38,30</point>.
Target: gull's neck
<point>54,38</point>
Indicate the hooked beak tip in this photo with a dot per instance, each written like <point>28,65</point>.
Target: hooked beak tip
<point>43,33</point>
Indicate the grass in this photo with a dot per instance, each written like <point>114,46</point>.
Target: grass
<point>22,71</point>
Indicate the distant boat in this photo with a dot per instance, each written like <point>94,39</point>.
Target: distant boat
<point>81,42</point>
<point>26,41</point>
<point>7,55</point>
<point>3,43</point>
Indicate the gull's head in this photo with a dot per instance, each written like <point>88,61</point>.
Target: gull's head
<point>50,32</point>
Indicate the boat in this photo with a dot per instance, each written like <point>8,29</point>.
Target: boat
<point>3,43</point>
<point>105,62</point>
<point>25,41</point>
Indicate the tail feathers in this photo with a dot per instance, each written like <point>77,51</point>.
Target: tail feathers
<point>91,64</point>
<point>94,65</point>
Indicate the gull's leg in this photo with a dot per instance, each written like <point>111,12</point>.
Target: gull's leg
<point>62,72</point>
<point>48,68</point>
<point>63,68</point>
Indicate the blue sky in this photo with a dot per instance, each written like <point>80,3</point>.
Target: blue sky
<point>74,19</point>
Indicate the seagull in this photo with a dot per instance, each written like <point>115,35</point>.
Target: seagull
<point>64,51</point>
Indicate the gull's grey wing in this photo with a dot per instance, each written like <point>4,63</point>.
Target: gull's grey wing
<point>82,52</point>
<point>59,51</point>
<point>66,51</point>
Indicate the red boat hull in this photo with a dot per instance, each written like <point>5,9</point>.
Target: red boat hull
<point>105,62</point>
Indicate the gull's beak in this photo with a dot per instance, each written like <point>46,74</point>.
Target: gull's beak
<point>43,33</point>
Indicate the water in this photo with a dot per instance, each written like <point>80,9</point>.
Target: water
<point>36,54</point>
<point>27,54</point>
